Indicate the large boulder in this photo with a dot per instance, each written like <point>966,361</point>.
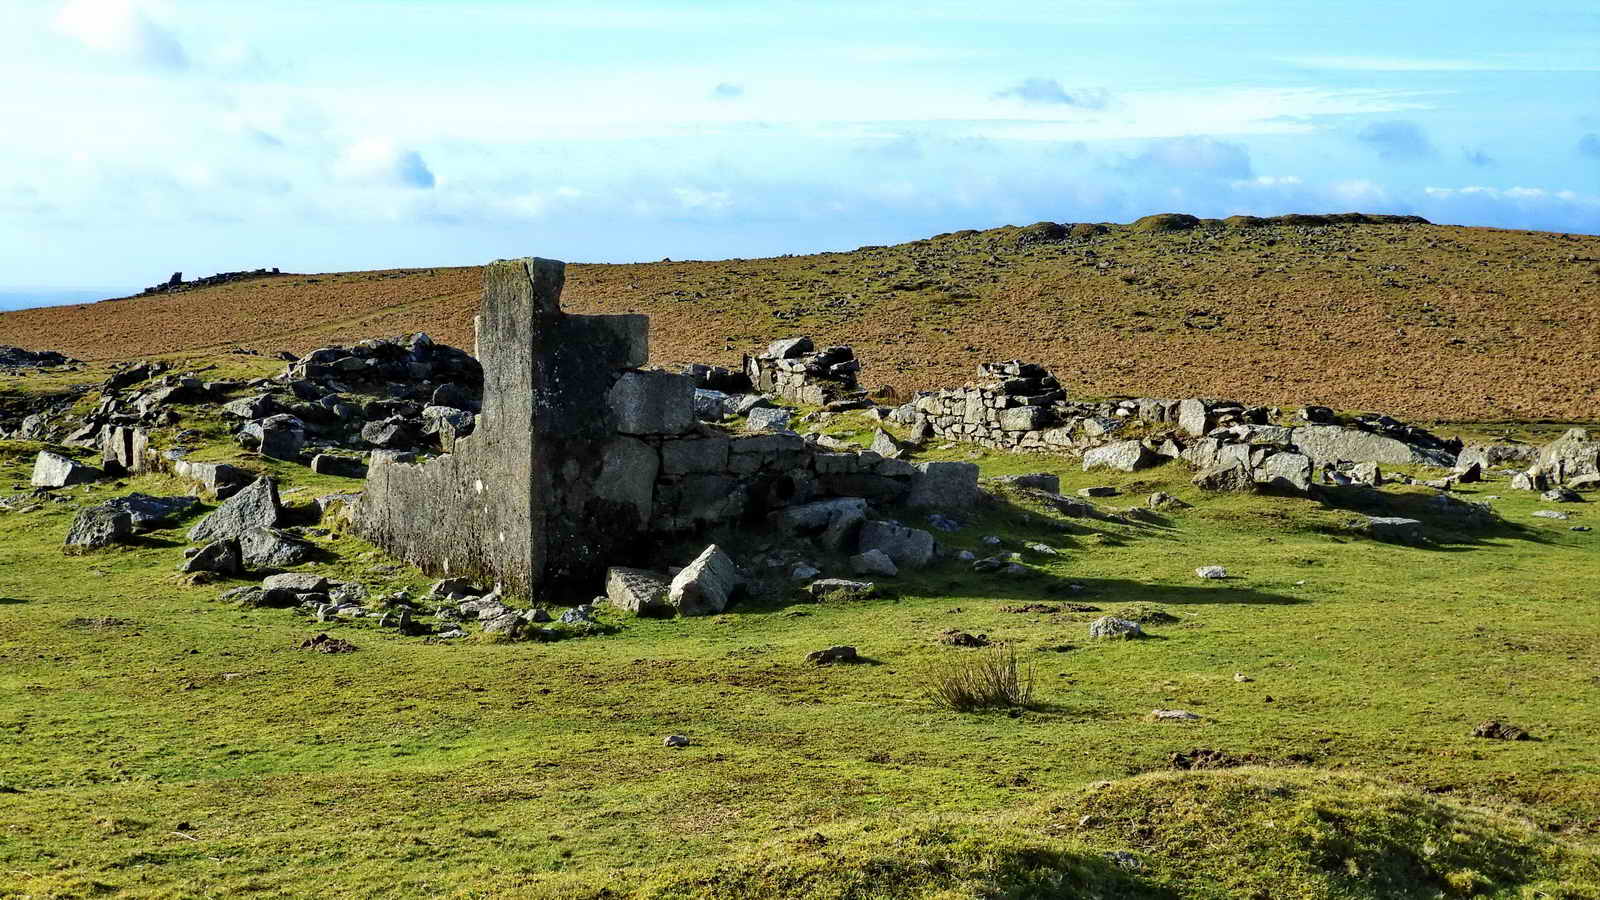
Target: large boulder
<point>944,485</point>
<point>256,506</point>
<point>221,479</point>
<point>707,585</point>
<point>1285,472</point>
<point>1193,418</point>
<point>1574,454</point>
<point>910,548</point>
<point>99,526</point>
<point>1123,456</point>
<point>52,470</point>
<point>1334,444</point>
<point>1396,529</point>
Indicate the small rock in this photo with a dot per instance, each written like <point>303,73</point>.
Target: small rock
<point>1112,628</point>
<point>873,562</point>
<point>1500,731</point>
<point>1549,514</point>
<point>833,656</point>
<point>1173,715</point>
<point>675,740</point>
<point>1101,491</point>
<point>1242,677</point>
<point>1211,572</point>
<point>826,590</point>
<point>957,638</point>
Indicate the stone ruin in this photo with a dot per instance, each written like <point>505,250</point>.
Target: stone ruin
<point>580,453</point>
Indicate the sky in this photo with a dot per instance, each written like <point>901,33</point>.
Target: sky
<point>144,137</point>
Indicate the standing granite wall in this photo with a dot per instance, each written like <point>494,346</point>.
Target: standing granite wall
<point>520,501</point>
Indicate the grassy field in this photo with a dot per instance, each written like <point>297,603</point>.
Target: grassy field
<point>157,742</point>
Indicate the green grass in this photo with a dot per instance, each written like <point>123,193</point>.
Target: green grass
<point>161,743</point>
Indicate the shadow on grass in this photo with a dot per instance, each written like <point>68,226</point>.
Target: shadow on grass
<point>1451,524</point>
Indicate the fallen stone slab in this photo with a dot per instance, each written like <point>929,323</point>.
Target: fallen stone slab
<point>339,466</point>
<point>269,548</point>
<point>1211,572</point>
<point>707,585</point>
<point>638,591</point>
<point>828,590</point>
<point>153,512</point>
<point>1396,529</point>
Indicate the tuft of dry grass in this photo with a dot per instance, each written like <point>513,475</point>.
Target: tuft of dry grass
<point>988,680</point>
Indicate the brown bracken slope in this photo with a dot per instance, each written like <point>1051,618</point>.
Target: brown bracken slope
<point>1431,322</point>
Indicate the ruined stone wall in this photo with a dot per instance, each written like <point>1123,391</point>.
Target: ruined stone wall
<point>580,456</point>
<point>796,371</point>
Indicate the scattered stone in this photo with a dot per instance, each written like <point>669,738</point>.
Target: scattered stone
<point>1202,759</point>
<point>942,522</point>
<point>1550,514</point>
<point>956,638</point>
<point>1112,628</point>
<point>1101,491</point>
<point>1039,481</point>
<point>884,444</point>
<point>829,590</point>
<point>910,548</point>
<point>1396,529</point>
<point>1560,494</point>
<point>768,419</point>
<point>1031,608</point>
<point>874,562</point>
<point>322,643</point>
<point>218,557</point>
<point>339,466</point>
<point>833,656</point>
<point>804,572</point>
<point>1173,715</point>
<point>1211,572</point>
<point>1500,731</point>
<point>675,740</point>
<point>1161,500</point>
<point>1043,549</point>
<point>269,548</point>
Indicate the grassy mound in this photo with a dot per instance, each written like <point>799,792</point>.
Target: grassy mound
<point>1161,222</point>
<point>1239,833</point>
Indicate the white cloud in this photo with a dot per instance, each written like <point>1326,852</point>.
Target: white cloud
<point>380,161</point>
<point>124,28</point>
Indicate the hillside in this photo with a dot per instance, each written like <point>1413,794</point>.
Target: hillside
<point>1424,321</point>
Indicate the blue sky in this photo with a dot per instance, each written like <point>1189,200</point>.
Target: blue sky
<point>147,136</point>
